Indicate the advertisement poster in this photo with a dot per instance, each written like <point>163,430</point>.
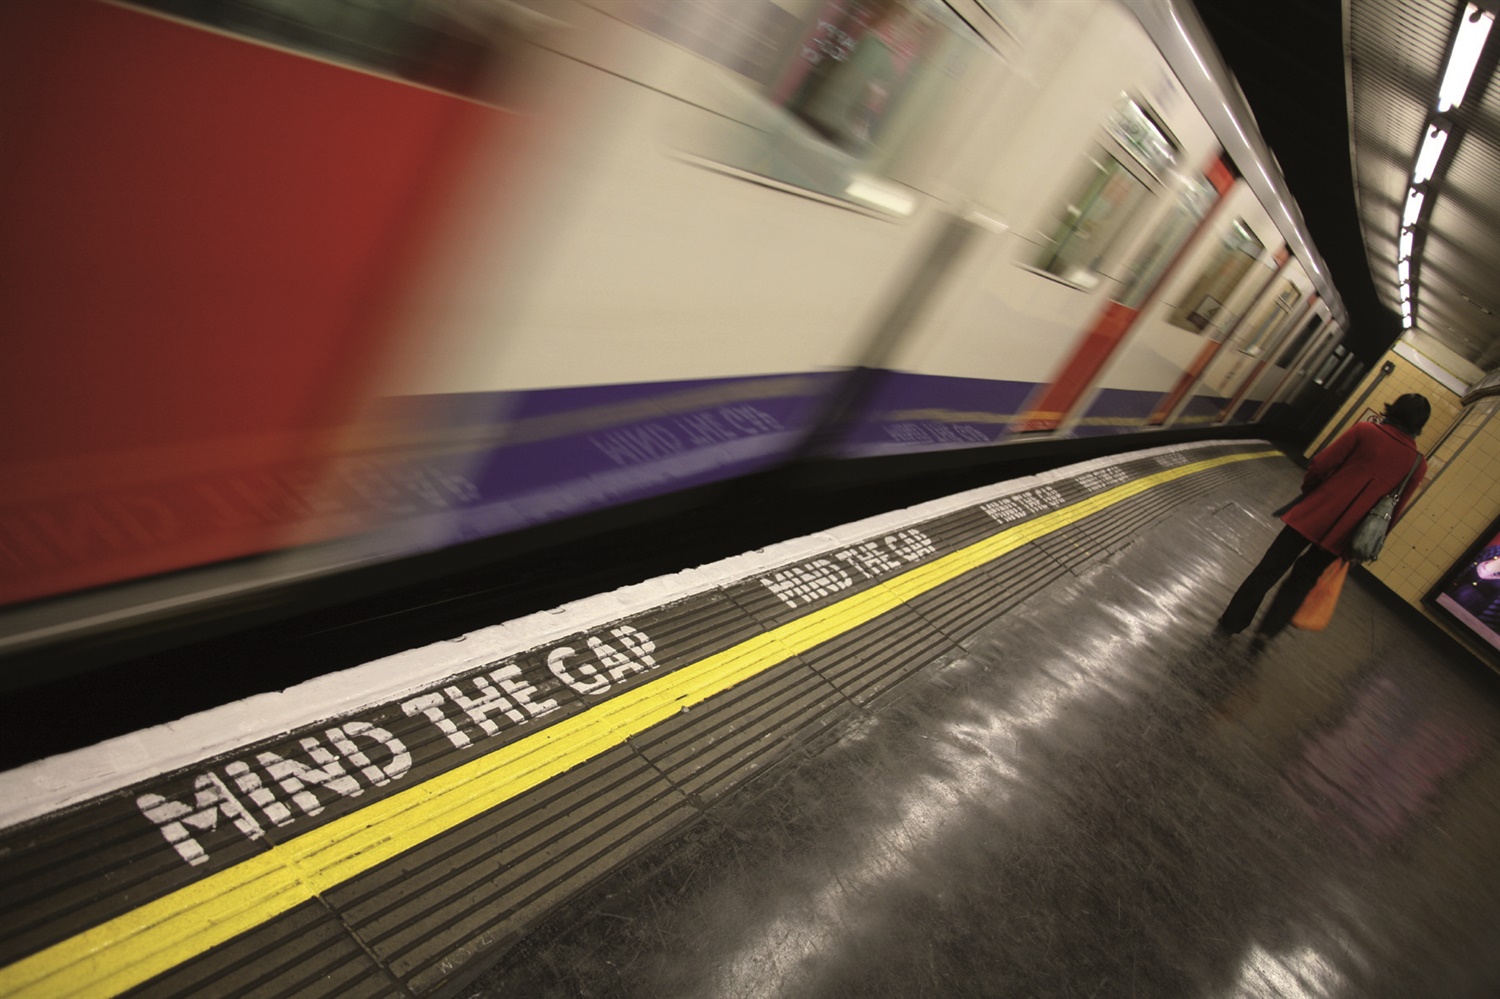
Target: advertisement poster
<point>1471,591</point>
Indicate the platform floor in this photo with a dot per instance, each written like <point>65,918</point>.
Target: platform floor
<point>1094,797</point>
<point>984,746</point>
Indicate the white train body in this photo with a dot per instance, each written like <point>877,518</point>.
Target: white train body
<point>672,241</point>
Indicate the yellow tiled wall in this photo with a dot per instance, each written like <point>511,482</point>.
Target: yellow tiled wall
<point>1406,378</point>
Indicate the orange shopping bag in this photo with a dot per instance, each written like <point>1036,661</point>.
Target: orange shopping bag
<point>1317,609</point>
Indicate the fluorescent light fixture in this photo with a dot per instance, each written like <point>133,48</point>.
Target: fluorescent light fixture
<point>1406,309</point>
<point>1403,251</point>
<point>1403,271</point>
<point>1413,208</point>
<point>1406,322</point>
<point>1427,159</point>
<point>1472,31</point>
<point>1404,292</point>
<point>878,195</point>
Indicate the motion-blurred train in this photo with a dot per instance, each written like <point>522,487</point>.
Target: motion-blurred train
<point>330,282</point>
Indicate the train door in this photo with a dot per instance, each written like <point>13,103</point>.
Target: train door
<point>1185,323</point>
<point>1255,335</point>
<point>1289,395</point>
<point>1170,408</point>
<point>1272,350</point>
<point>1052,405</point>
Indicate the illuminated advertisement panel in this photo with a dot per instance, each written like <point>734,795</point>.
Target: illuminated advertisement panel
<point>1470,593</point>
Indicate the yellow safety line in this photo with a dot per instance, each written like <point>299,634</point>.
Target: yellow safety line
<point>132,948</point>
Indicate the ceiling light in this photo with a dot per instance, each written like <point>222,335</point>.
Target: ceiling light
<point>1432,148</point>
<point>1404,292</point>
<point>1406,322</point>
<point>1472,31</point>
<point>1403,251</point>
<point>1413,207</point>
<point>1406,309</point>
<point>1403,271</point>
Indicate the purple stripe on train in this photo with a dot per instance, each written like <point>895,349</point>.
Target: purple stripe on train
<point>1200,411</point>
<point>526,458</point>
<point>1117,411</point>
<point>907,413</point>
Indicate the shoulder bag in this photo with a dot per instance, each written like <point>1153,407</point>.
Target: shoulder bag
<point>1369,537</point>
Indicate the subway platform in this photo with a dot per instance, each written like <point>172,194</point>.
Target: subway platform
<point>986,746</point>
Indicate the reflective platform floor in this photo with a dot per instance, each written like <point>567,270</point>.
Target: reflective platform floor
<point>1092,796</point>
<point>987,746</point>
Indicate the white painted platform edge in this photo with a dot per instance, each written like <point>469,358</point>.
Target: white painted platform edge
<point>72,778</point>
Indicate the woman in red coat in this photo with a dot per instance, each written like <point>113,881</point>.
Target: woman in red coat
<point>1344,482</point>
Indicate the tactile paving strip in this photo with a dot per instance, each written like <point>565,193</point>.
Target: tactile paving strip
<point>479,884</point>
<point>382,852</point>
<point>306,954</point>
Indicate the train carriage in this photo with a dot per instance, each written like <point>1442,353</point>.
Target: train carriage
<point>339,283</point>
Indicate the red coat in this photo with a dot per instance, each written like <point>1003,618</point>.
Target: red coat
<point>1347,478</point>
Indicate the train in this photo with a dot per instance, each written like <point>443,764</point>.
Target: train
<point>292,288</point>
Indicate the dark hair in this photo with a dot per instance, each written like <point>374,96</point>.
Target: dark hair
<point>1409,413</point>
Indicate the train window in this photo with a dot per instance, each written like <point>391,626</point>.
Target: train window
<point>1134,127</point>
<point>1269,317</point>
<point>1296,346</point>
<point>843,87</point>
<point>852,71</point>
<point>1102,200</point>
<point>1330,365</point>
<point>1231,261</point>
<point>1105,194</point>
<point>1194,198</point>
<point>426,41</point>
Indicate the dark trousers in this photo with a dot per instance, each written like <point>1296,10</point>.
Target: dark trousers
<point>1292,551</point>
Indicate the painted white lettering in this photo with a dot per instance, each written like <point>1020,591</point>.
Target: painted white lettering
<point>1009,509</point>
<point>850,559</point>
<point>591,683</point>
<point>294,776</point>
<point>907,433</point>
<point>630,445</point>
<point>523,693</point>
<point>910,544</point>
<point>616,663</point>
<point>211,798</point>
<point>704,428</point>
<point>872,559</point>
<point>1103,478</point>
<point>462,489</point>
<point>1003,511</point>
<point>782,586</point>
<point>807,582</point>
<point>637,642</point>
<point>831,577</point>
<point>248,781</point>
<point>343,741</point>
<point>749,419</point>
<point>431,705</point>
<point>488,701</point>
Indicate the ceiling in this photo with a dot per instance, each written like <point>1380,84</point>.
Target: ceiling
<point>1395,51</point>
<point>1348,152</point>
